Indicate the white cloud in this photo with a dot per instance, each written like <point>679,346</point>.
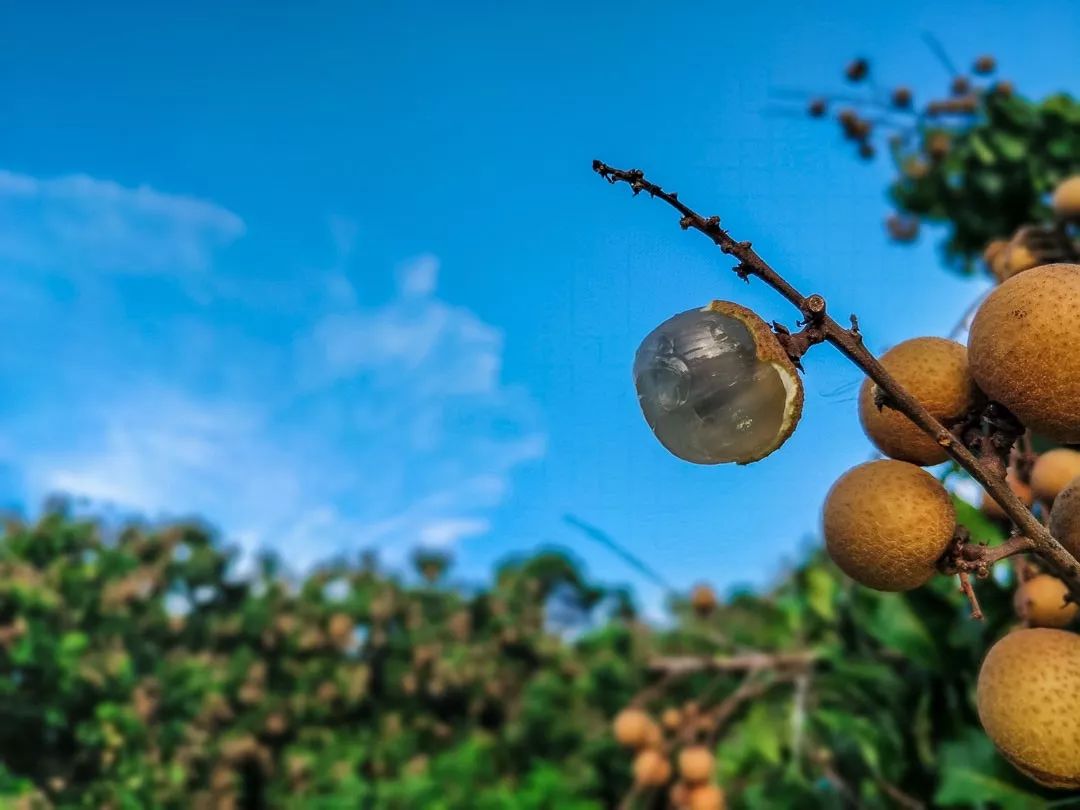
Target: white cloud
<point>79,223</point>
<point>419,276</point>
<point>383,425</point>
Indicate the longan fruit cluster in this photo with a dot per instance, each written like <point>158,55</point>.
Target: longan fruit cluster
<point>690,781</point>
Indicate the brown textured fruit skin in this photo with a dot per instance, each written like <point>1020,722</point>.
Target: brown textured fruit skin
<point>696,764</point>
<point>1065,518</point>
<point>1028,697</point>
<point>935,371</point>
<point>1053,471</point>
<point>887,523</point>
<point>1041,601</point>
<point>1022,349</point>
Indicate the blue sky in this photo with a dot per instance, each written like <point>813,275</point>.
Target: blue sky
<point>338,274</point>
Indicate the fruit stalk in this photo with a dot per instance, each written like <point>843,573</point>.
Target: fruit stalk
<point>849,342</point>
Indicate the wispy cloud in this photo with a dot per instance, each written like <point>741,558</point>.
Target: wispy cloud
<point>352,425</point>
<point>78,222</point>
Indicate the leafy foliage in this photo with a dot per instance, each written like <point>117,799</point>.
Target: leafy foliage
<point>138,671</point>
<point>987,175</point>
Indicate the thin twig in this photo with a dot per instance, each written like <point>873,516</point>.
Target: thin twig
<point>849,342</point>
<point>939,51</point>
<point>964,323</point>
<point>604,539</point>
<point>969,592</point>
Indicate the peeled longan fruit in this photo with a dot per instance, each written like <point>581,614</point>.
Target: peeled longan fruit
<point>1028,697</point>
<point>633,728</point>
<point>887,523</point>
<point>1066,199</point>
<point>651,768</point>
<point>935,371</point>
<point>703,600</point>
<point>992,509</point>
<point>696,764</point>
<point>707,797</point>
<point>1041,600</point>
<point>1022,349</point>
<point>1065,518</point>
<point>715,385</point>
<point>1053,471</point>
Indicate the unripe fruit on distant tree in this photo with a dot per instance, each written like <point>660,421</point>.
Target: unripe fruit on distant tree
<point>1053,471</point>
<point>703,600</point>
<point>935,371</point>
<point>961,86</point>
<point>857,70</point>
<point>633,728</point>
<point>1066,199</point>
<point>1065,518</point>
<point>887,523</point>
<point>993,510</point>
<point>696,764</point>
<point>937,144</point>
<point>707,797</point>
<point>1028,698</point>
<point>716,386</point>
<point>1041,602</point>
<point>651,768</point>
<point>1022,349</point>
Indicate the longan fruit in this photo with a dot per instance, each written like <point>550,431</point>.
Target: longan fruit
<point>707,797</point>
<point>992,509</point>
<point>1066,199</point>
<point>1065,518</point>
<point>887,523</point>
<point>633,728</point>
<point>651,768</point>
<point>703,600</point>
<point>1041,601</point>
<point>716,385</point>
<point>935,371</point>
<point>1016,258</point>
<point>679,796</point>
<point>1028,698</point>
<point>671,719</point>
<point>1053,471</point>
<point>696,764</point>
<point>1022,349</point>
<point>993,249</point>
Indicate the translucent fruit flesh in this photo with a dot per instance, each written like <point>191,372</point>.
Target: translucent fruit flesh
<point>704,392</point>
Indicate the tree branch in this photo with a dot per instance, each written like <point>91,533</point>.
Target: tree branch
<point>849,343</point>
<point>749,662</point>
